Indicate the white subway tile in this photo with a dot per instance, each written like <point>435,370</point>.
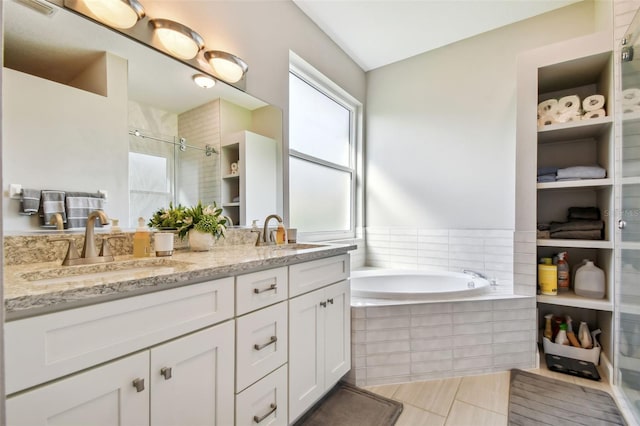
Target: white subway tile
<point>522,358</point>
<point>432,253</point>
<point>388,371</point>
<point>471,317</point>
<point>472,351</point>
<point>480,327</point>
<point>472,340</point>
<point>388,359</point>
<point>526,258</point>
<point>515,336</point>
<point>387,311</point>
<point>516,303</point>
<point>387,323</point>
<point>442,330</point>
<point>472,306</point>
<point>436,264</point>
<point>524,248</point>
<point>432,366</point>
<point>525,314</point>
<point>430,320</point>
<point>358,349</point>
<point>357,324</point>
<point>510,348</point>
<point>387,335</point>
<point>387,347</point>
<point>500,326</point>
<point>431,308</point>
<point>425,345</point>
<point>472,363</point>
<point>431,355</point>
<point>375,381</point>
<point>433,232</point>
<point>524,237</point>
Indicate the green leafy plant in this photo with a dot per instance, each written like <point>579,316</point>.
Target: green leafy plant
<point>207,219</point>
<point>168,218</point>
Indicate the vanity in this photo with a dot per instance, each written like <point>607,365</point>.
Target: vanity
<point>237,335</point>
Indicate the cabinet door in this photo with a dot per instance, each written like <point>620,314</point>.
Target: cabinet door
<point>306,351</point>
<point>103,395</point>
<point>192,379</point>
<point>337,317</point>
<point>264,403</point>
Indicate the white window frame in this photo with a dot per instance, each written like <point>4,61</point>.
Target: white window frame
<point>308,74</point>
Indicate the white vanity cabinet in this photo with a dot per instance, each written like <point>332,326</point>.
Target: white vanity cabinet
<point>319,330</point>
<point>186,381</point>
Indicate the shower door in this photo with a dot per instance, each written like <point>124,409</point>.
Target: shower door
<point>627,307</point>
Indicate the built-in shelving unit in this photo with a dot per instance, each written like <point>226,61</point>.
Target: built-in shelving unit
<point>249,188</point>
<point>582,67</point>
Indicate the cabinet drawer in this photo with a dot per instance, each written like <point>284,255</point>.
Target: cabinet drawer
<point>260,289</point>
<point>46,347</point>
<point>261,344</point>
<point>308,276</point>
<point>265,402</point>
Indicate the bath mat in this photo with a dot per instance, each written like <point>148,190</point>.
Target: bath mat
<point>539,400</point>
<point>347,405</point>
<point>573,367</point>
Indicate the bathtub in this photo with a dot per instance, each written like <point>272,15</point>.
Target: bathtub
<point>413,285</point>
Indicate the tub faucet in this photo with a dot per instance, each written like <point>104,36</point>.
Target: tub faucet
<point>475,274</point>
<point>267,241</point>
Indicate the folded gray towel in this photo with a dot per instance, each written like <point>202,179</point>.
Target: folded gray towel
<point>577,225</point>
<point>51,202</point>
<point>30,201</point>
<point>547,171</point>
<point>547,178</point>
<point>578,235</point>
<point>583,213</point>
<point>80,205</point>
<point>582,172</point>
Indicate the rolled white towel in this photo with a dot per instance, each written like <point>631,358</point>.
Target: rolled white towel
<point>550,106</point>
<point>594,114</point>
<point>568,116</point>
<point>546,120</point>
<point>630,109</point>
<point>631,96</point>
<point>568,103</point>
<point>593,102</point>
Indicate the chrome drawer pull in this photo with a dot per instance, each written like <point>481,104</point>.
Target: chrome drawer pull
<point>264,345</point>
<point>271,287</point>
<point>165,372</point>
<point>138,384</point>
<point>273,407</point>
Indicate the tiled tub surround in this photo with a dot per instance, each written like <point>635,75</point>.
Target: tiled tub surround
<point>490,252</point>
<point>26,297</point>
<point>415,342</point>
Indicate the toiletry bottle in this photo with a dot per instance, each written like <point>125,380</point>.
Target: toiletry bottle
<point>570,334</point>
<point>548,277</point>
<point>563,272</point>
<point>561,338</point>
<point>141,240</point>
<point>585,336</point>
<point>548,333</point>
<point>590,281</point>
<point>281,234</point>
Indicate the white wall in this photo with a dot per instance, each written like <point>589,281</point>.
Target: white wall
<point>75,148</point>
<point>440,127</point>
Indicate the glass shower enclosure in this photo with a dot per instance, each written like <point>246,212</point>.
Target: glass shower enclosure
<point>627,308</point>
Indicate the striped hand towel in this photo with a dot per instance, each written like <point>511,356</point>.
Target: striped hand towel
<point>30,201</point>
<point>51,202</point>
<point>79,207</point>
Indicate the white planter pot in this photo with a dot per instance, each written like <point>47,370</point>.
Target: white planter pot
<point>200,241</point>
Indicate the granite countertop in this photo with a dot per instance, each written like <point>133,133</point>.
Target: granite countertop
<point>41,288</point>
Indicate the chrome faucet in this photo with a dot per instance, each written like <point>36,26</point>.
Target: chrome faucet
<point>270,240</point>
<point>475,274</point>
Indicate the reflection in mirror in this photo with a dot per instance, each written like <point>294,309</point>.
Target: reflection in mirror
<point>73,91</point>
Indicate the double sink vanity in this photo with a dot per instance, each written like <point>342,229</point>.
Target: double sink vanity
<point>239,335</point>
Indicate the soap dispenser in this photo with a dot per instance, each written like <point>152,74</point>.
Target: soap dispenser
<point>141,240</point>
<point>281,234</point>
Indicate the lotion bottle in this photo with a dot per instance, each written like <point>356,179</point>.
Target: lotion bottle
<point>141,240</point>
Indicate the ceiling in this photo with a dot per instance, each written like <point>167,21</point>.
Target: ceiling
<point>379,32</point>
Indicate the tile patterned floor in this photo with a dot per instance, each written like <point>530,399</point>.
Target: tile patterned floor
<point>463,401</point>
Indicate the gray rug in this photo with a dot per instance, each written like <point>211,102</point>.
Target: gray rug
<point>346,405</point>
<point>539,400</point>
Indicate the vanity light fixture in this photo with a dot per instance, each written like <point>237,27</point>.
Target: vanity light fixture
<point>228,67</point>
<point>204,81</point>
<point>121,14</point>
<point>180,40</point>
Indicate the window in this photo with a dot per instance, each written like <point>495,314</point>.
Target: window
<point>322,156</point>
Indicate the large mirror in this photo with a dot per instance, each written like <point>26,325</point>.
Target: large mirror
<point>87,109</point>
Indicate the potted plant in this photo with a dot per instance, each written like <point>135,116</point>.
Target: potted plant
<point>168,218</point>
<point>201,224</point>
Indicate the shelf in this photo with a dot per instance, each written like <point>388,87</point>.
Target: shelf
<point>596,244</point>
<point>572,299</point>
<point>236,176</point>
<point>584,183</point>
<point>630,180</point>
<point>574,130</point>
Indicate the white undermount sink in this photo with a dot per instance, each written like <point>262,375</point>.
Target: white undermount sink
<point>132,268</point>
